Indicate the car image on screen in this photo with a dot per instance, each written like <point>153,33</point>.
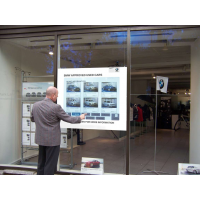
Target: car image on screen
<point>108,103</point>
<point>71,102</point>
<point>90,87</point>
<point>73,88</point>
<point>90,102</point>
<point>109,88</point>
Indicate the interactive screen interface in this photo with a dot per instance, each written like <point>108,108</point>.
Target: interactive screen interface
<point>98,97</point>
<point>99,92</point>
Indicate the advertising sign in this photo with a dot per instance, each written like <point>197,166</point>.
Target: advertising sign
<point>26,124</point>
<point>92,165</point>
<point>162,83</point>
<point>35,91</point>
<point>26,110</point>
<point>99,92</point>
<point>188,169</point>
<point>26,138</point>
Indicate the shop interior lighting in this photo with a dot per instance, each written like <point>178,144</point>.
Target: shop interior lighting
<point>51,51</point>
<point>153,76</point>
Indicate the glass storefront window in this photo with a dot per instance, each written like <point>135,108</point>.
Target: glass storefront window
<point>165,53</point>
<point>22,61</point>
<point>95,50</point>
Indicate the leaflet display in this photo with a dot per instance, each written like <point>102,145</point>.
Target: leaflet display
<point>26,138</point>
<point>26,124</point>
<point>26,110</point>
<point>99,92</point>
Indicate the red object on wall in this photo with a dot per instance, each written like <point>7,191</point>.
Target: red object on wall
<point>140,115</point>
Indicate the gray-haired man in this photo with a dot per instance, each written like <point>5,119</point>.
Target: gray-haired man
<point>47,115</point>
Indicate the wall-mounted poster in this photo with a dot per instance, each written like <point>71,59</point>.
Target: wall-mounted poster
<point>35,91</point>
<point>99,92</point>
<point>26,124</point>
<point>26,138</point>
<point>92,165</point>
<point>26,110</point>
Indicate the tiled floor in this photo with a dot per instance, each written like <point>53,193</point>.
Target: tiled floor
<point>172,148</point>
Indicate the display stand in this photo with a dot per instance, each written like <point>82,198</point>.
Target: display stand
<point>25,148</point>
<point>154,170</point>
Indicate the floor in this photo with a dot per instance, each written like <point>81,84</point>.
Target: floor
<point>171,148</point>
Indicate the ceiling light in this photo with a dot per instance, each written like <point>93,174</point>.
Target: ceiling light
<point>185,92</point>
<point>153,76</point>
<point>50,52</point>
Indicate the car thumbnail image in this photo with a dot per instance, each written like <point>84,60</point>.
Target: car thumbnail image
<point>73,102</point>
<point>73,88</point>
<point>90,102</point>
<point>193,169</point>
<point>109,103</point>
<point>39,94</point>
<point>109,86</point>
<point>44,94</point>
<point>91,87</point>
<point>28,94</point>
<point>92,164</point>
<point>33,94</point>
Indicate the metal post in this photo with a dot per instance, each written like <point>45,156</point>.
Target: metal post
<point>71,148</point>
<point>155,129</point>
<point>128,101</point>
<point>22,149</point>
<point>58,164</point>
<point>154,171</point>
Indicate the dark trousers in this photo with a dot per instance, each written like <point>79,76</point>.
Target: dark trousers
<point>47,160</point>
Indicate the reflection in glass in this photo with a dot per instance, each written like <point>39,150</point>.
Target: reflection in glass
<point>91,51</point>
<point>164,53</point>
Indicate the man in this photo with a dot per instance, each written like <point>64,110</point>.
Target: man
<point>47,115</point>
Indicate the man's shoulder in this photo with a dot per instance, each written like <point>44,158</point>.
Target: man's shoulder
<point>43,102</point>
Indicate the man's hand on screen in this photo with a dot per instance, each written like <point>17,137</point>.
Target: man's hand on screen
<point>83,116</point>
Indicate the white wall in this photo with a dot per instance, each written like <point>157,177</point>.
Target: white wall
<point>10,134</point>
<point>194,156</point>
<point>38,64</point>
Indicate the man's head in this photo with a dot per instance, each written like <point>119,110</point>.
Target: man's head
<point>52,93</point>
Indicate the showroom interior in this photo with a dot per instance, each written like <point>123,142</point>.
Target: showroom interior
<point>30,54</point>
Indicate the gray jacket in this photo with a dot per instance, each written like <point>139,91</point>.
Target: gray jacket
<point>47,115</point>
